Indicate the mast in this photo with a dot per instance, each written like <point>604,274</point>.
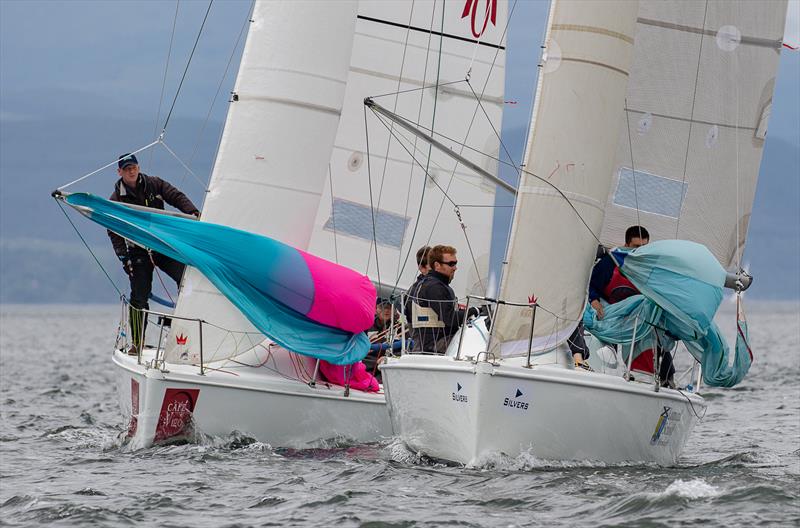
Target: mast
<point>578,114</point>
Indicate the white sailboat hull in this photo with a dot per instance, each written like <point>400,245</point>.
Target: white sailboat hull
<point>468,412</point>
<point>164,405</point>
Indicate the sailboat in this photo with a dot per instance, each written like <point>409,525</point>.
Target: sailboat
<point>646,113</point>
<point>292,171</point>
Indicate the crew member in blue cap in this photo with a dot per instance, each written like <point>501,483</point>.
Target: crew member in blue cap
<point>134,187</point>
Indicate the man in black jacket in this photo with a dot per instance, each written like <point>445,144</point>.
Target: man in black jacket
<point>136,188</point>
<point>435,313</point>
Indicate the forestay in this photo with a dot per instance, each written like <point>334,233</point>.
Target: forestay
<point>404,49</point>
<point>698,104</point>
<point>578,114</point>
<point>272,162</point>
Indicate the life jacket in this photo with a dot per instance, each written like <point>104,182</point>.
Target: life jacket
<point>618,288</point>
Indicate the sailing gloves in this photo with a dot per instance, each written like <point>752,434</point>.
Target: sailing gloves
<point>127,264</point>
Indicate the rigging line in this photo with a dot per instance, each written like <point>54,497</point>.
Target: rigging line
<point>421,88</point>
<point>430,147</point>
<point>77,232</point>
<point>738,244</point>
<point>394,109</point>
<point>633,167</point>
<point>333,216</point>
<point>186,70</point>
<point>543,180</point>
<point>186,167</point>
<point>371,205</point>
<point>105,166</point>
<point>164,80</point>
<point>426,170</point>
<point>219,86</point>
<point>471,252</point>
<point>691,119</point>
<point>416,140</point>
<point>475,113</point>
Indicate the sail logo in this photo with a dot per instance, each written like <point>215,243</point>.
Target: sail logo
<point>471,10</point>
<point>515,402</point>
<point>457,396</point>
<point>181,339</point>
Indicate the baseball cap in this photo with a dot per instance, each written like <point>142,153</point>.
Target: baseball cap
<point>127,159</point>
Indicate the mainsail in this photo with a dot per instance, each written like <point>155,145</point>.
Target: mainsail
<point>578,114</point>
<point>698,104</point>
<point>402,50</point>
<point>272,162</point>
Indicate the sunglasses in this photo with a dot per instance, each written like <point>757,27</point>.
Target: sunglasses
<point>452,263</point>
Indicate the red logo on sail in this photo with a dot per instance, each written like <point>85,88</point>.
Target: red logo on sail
<point>471,10</point>
<point>181,339</point>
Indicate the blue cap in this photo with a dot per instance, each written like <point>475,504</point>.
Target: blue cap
<point>127,159</point>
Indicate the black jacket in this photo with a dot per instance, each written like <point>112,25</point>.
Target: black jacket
<point>434,292</point>
<point>150,191</point>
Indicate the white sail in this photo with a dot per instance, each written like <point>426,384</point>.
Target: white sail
<point>272,162</point>
<point>698,103</point>
<point>403,49</point>
<point>578,113</point>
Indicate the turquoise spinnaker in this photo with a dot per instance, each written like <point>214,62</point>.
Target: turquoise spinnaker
<point>681,289</point>
<point>303,303</point>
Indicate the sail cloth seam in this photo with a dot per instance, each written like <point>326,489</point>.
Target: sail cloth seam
<point>437,33</point>
<point>274,186</point>
<point>291,102</point>
<point>443,88</point>
<point>593,29</point>
<point>595,63</point>
<point>301,73</point>
<point>752,41</point>
<point>696,121</point>
<point>575,197</point>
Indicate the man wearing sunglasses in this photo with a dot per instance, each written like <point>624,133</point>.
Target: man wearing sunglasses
<point>435,316</point>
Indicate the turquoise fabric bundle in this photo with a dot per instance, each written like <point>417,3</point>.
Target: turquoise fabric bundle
<point>681,289</point>
<point>269,282</point>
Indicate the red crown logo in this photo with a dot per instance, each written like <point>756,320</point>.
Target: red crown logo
<point>531,299</point>
<point>181,339</point>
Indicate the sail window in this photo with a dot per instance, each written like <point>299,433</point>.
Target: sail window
<point>651,193</point>
<point>354,219</point>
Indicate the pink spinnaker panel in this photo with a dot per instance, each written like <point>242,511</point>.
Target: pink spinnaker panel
<point>343,298</point>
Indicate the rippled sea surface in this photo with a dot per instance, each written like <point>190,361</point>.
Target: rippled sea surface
<point>63,463</point>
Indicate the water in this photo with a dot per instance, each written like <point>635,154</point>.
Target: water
<point>62,461</point>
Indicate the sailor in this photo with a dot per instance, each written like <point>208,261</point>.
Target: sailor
<point>134,187</point>
<point>610,285</point>
<point>435,316</point>
<point>422,267</point>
